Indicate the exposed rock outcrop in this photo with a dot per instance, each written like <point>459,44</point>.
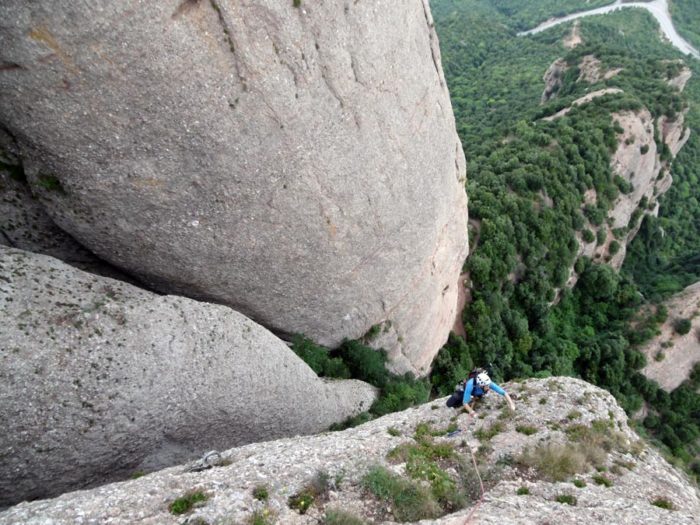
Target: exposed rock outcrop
<point>671,356</point>
<point>100,379</point>
<point>575,418</point>
<point>299,164</point>
<point>553,79</point>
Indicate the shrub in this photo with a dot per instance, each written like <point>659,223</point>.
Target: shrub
<point>600,479</point>
<point>574,414</point>
<point>365,363</point>
<point>554,461</point>
<point>682,326</point>
<point>410,501</point>
<point>261,517</point>
<point>523,491</point>
<point>600,236</point>
<point>614,247</point>
<point>393,431</point>
<point>185,503</point>
<point>319,359</point>
<point>485,434</point>
<point>644,149</point>
<point>316,489</point>
<point>567,499</point>
<point>261,493</point>
<point>588,236</point>
<point>663,503</point>
<point>579,483</point>
<point>526,429</point>
<point>341,517</point>
<point>399,394</point>
<point>543,401</point>
<point>301,501</point>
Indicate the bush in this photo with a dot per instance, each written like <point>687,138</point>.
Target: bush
<point>601,479</point>
<point>588,235</point>
<point>319,358</point>
<point>261,517</point>
<point>185,503</point>
<point>410,501</point>
<point>663,503</point>
<point>579,483</point>
<point>261,493</point>
<point>614,247</point>
<point>567,499</point>
<point>682,326</point>
<point>523,491</point>
<point>526,429</point>
<point>554,461</point>
<point>365,363</point>
<point>316,489</point>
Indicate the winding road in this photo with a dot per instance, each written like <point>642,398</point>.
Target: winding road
<point>658,8</point>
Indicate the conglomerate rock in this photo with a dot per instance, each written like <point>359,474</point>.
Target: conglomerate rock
<point>637,477</point>
<point>299,164</point>
<point>100,379</point>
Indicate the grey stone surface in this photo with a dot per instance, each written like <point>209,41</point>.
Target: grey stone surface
<point>100,379</point>
<point>24,224</point>
<point>298,164</point>
<point>286,466</point>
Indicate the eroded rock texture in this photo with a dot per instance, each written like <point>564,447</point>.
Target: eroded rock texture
<point>638,476</point>
<point>99,379</point>
<point>299,164</point>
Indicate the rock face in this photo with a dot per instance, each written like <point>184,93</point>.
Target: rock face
<point>671,356</point>
<point>24,224</point>
<point>100,379</point>
<point>299,164</point>
<point>638,476</point>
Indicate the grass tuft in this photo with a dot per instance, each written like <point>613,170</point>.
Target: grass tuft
<point>185,503</point>
<point>600,479</point>
<point>663,503</point>
<point>566,499</point>
<point>410,501</point>
<point>341,517</point>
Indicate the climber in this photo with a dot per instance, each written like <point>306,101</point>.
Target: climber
<point>477,385</point>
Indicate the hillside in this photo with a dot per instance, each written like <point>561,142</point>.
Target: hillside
<point>567,454</point>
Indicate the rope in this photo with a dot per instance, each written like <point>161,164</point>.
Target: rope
<point>469,517</point>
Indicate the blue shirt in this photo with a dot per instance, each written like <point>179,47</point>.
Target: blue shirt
<point>471,388</point>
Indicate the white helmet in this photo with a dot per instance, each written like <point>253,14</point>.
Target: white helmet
<point>483,380</point>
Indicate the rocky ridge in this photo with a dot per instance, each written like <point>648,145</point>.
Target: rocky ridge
<point>100,379</point>
<point>282,160</point>
<point>622,481</point>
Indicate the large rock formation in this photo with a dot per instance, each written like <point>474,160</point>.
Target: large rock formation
<point>671,356</point>
<point>578,425</point>
<point>299,164</point>
<point>100,379</point>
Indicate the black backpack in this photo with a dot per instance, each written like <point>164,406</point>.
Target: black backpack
<point>455,400</point>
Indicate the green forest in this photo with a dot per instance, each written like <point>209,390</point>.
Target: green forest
<point>526,181</point>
